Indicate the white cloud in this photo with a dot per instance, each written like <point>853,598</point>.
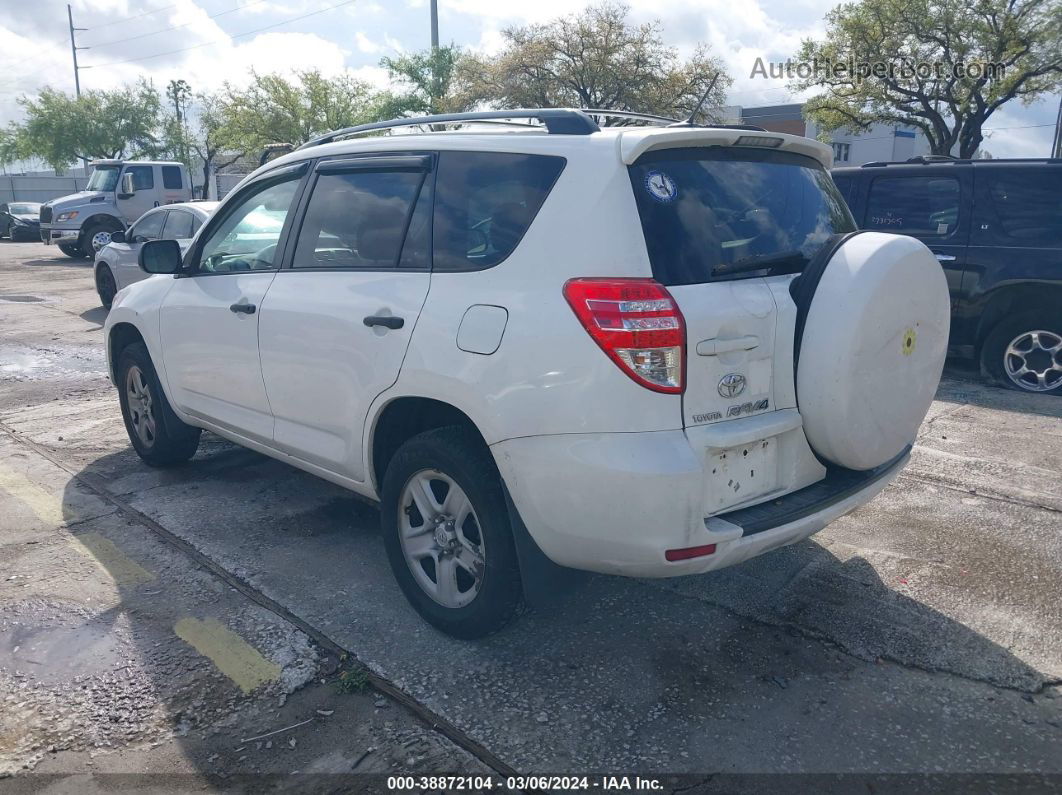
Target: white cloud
<point>366,45</point>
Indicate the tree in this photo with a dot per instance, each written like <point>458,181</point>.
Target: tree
<point>425,81</point>
<point>275,109</point>
<point>60,128</point>
<point>209,143</point>
<point>594,59</point>
<point>176,130</point>
<point>925,49</point>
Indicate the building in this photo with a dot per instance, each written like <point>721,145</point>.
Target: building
<point>889,142</point>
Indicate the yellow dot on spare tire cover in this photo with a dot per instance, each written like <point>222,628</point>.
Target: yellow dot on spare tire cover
<point>909,338</point>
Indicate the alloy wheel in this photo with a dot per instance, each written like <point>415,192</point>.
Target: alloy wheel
<point>441,538</point>
<point>100,239</point>
<point>141,408</point>
<point>1033,361</point>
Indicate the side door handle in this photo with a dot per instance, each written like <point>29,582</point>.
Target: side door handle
<point>389,321</point>
<point>945,257</point>
<point>716,346</point>
<point>242,309</point>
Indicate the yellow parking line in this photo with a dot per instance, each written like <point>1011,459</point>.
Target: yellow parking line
<point>233,656</point>
<point>123,569</point>
<point>49,509</point>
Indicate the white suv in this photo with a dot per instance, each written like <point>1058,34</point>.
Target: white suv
<point>648,351</point>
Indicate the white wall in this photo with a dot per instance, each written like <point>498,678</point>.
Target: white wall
<point>38,188</point>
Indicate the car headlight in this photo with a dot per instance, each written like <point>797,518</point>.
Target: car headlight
<point>70,216</point>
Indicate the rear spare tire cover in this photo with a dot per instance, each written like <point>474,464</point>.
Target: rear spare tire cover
<point>872,349</point>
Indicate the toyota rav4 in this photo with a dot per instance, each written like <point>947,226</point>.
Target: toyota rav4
<point>647,350</point>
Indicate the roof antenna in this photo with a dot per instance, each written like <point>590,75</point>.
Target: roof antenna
<point>697,109</point>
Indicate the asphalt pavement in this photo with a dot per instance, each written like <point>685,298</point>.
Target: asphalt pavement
<point>920,634</point>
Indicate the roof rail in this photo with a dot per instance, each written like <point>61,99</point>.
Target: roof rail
<point>629,114</point>
<point>558,121</point>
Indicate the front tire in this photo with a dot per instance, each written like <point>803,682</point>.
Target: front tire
<point>1025,353</point>
<point>447,533</point>
<point>106,287</point>
<point>157,435</point>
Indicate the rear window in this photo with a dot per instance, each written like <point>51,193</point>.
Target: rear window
<point>484,203</point>
<point>710,214</point>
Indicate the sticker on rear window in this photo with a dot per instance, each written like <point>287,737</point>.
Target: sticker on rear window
<point>660,186</point>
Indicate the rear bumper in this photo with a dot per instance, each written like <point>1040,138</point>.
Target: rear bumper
<point>615,503</point>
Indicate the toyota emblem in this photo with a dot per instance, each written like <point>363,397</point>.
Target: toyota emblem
<point>731,385</point>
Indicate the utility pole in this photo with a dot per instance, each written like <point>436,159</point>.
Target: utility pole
<point>1056,150</point>
<point>434,25</point>
<point>77,78</point>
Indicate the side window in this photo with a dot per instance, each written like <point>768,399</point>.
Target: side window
<point>926,206</point>
<point>149,227</point>
<point>143,177</point>
<point>196,223</point>
<point>171,177</point>
<point>485,202</point>
<point>357,219</point>
<point>845,185</point>
<point>247,237</point>
<point>1028,204</point>
<point>178,225</point>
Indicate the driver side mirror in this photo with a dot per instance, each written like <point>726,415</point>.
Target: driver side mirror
<point>160,256</point>
<point>118,237</point>
<point>128,188</point>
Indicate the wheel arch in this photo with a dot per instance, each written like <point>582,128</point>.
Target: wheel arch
<point>1006,301</point>
<point>402,418</point>
<point>120,336</point>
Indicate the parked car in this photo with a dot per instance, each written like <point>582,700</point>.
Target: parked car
<point>20,221</point>
<point>116,263</point>
<point>996,227</point>
<point>644,351</point>
<point>117,193</point>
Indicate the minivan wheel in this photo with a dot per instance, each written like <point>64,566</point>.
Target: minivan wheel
<point>157,435</point>
<point>1025,353</point>
<point>105,286</point>
<point>447,533</point>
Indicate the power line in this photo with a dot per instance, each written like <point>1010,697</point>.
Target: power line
<point>176,27</point>
<point>222,41</point>
<point>146,13</point>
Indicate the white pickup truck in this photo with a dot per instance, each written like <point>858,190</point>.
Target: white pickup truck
<point>118,192</point>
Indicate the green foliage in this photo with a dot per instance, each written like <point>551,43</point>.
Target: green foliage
<point>424,82</point>
<point>1023,35</point>
<point>352,680</point>
<point>593,59</point>
<point>275,109</point>
<point>60,128</point>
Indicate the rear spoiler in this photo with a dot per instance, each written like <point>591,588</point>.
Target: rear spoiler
<point>637,141</point>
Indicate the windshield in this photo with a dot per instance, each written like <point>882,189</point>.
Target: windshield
<point>104,178</point>
<point>728,213</point>
<point>23,209</point>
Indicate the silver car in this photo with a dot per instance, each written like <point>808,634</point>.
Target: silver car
<point>116,263</point>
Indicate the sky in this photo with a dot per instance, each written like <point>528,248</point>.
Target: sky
<point>207,42</point>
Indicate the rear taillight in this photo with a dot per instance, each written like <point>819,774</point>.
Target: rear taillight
<point>637,323</point>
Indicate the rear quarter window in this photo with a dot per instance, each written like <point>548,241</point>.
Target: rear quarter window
<point>1028,205</point>
<point>922,206</point>
<point>710,214</point>
<point>485,202</point>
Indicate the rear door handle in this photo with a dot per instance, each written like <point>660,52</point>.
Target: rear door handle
<point>390,321</point>
<point>945,257</point>
<point>715,346</point>
<point>244,309</point>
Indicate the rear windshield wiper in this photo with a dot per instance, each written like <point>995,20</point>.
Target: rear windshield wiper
<point>759,262</point>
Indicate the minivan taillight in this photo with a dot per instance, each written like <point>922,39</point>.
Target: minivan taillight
<point>638,324</point>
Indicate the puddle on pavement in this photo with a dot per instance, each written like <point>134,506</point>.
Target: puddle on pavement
<point>23,299</point>
<point>50,651</point>
<point>23,363</point>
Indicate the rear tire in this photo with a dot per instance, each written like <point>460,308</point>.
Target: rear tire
<point>157,435</point>
<point>72,250</point>
<point>106,287</point>
<point>1031,340</point>
<point>455,562</point>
